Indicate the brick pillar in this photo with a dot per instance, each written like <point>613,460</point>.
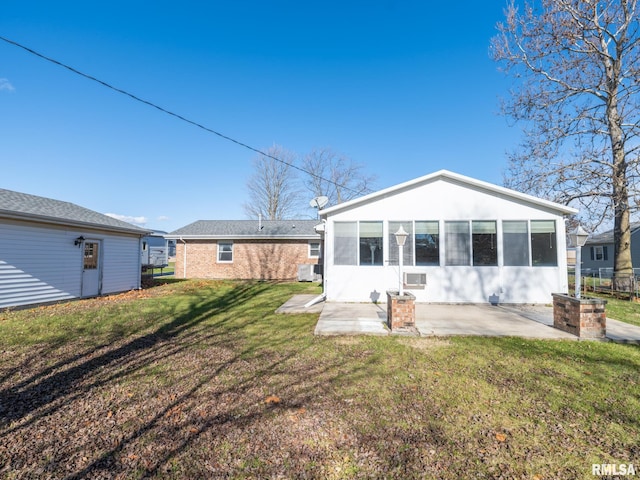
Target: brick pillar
<point>401,311</point>
<point>583,317</point>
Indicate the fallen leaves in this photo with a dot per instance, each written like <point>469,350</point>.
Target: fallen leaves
<point>272,400</point>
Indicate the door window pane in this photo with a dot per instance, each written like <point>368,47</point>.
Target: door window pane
<point>91,255</point>
<point>370,243</point>
<point>543,243</point>
<point>485,250</point>
<point>457,246</point>
<point>427,239</point>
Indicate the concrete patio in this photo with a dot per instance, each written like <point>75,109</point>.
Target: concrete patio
<point>527,321</point>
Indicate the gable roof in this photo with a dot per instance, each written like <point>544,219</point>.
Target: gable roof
<point>607,237</point>
<point>237,229</point>
<point>22,206</point>
<point>455,178</point>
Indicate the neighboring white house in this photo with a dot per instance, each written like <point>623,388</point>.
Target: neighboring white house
<point>52,250</point>
<point>469,242</point>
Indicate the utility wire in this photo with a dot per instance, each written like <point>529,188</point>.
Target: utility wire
<point>168,112</point>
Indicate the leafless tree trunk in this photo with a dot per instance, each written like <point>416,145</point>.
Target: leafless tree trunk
<point>335,176</point>
<point>576,69</point>
<point>273,192</point>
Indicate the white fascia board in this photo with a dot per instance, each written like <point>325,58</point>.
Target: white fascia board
<point>460,179</point>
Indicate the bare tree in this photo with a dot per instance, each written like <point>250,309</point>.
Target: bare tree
<point>335,176</point>
<point>576,70</point>
<point>273,191</point>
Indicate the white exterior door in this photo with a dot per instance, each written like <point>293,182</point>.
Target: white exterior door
<point>91,268</point>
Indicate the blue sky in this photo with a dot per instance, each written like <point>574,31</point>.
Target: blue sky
<point>404,88</point>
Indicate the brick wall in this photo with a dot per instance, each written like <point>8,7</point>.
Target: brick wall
<point>252,259</point>
<point>401,311</point>
<point>585,318</point>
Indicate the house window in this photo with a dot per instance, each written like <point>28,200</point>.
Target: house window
<point>407,250</point>
<point>370,243</point>
<point>485,249</point>
<point>427,243</point>
<point>225,252</point>
<point>543,243</point>
<point>599,253</point>
<point>515,243</point>
<point>457,243</point>
<point>345,241</point>
<point>314,249</point>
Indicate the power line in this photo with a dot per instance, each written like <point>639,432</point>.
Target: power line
<point>173,114</point>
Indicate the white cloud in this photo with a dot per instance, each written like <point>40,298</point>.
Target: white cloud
<point>139,221</point>
<point>163,218</point>
<point>5,84</point>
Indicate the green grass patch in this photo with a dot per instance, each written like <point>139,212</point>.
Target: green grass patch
<point>202,379</point>
<point>622,310</point>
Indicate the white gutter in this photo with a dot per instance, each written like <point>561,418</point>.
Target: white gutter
<point>184,259</point>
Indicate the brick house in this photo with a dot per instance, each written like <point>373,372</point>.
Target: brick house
<point>246,249</point>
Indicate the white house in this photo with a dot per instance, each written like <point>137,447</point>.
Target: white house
<point>52,250</point>
<point>469,242</point>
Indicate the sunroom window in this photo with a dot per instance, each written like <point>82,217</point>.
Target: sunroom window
<point>370,243</point>
<point>457,243</point>
<point>543,243</point>
<point>407,250</point>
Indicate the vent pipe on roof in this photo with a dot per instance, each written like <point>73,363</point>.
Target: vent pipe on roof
<point>259,221</point>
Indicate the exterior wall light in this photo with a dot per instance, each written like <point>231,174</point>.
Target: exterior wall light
<point>78,241</point>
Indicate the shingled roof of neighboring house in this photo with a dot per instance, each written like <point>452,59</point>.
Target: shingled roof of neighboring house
<point>607,237</point>
<point>22,206</point>
<point>265,229</point>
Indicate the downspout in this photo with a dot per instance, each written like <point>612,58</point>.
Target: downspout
<point>323,296</point>
<point>184,259</point>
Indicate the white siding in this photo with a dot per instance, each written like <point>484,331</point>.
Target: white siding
<point>444,200</point>
<point>41,263</point>
<point>121,264</point>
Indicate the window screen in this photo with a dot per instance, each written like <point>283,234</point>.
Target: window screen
<point>543,243</point>
<point>457,247</point>
<point>345,242</point>
<point>515,243</point>
<point>407,250</point>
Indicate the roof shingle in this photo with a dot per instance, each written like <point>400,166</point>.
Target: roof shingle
<point>248,229</point>
<point>26,206</point>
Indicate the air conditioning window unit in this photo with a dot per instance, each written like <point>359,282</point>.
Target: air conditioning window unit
<point>415,280</point>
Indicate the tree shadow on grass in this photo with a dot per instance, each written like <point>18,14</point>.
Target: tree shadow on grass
<point>232,388</point>
<point>49,385</point>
